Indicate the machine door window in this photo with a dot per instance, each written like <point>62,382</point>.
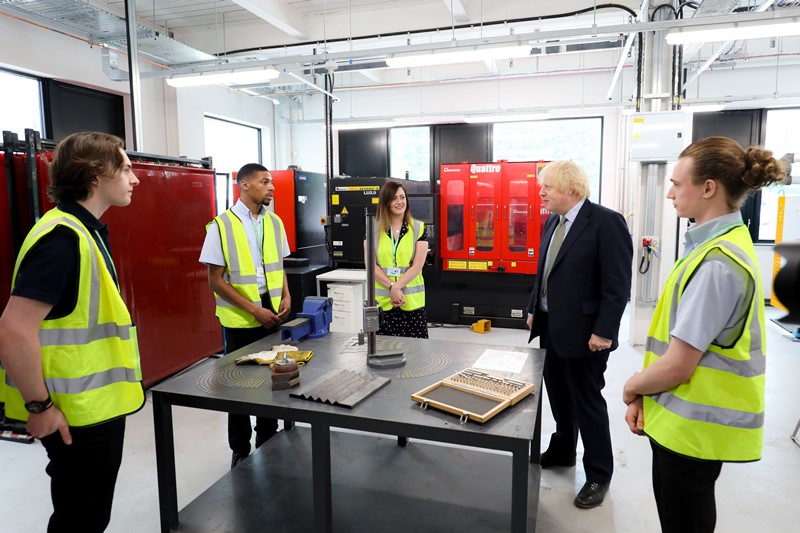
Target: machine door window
<point>518,215</point>
<point>455,216</point>
<point>484,215</point>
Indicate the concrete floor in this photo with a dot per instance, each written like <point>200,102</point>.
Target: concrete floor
<point>750,497</point>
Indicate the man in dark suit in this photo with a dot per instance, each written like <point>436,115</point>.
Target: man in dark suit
<point>582,287</point>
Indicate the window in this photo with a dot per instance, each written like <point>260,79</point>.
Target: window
<point>20,103</point>
<point>579,139</point>
<point>410,153</point>
<point>782,136</point>
<point>231,145</point>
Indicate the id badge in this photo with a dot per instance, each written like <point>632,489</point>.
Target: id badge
<point>393,271</point>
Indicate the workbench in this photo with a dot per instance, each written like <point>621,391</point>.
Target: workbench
<point>315,479</point>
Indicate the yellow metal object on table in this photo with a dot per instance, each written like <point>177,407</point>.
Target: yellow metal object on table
<point>482,326</point>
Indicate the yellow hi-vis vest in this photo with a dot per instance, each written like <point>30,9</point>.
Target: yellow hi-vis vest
<point>240,268</point>
<point>719,413</point>
<point>414,292</point>
<point>90,358</point>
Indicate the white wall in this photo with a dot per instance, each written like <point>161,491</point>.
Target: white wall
<point>194,102</point>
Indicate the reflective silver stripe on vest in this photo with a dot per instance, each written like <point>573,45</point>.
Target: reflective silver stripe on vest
<point>414,290</point>
<point>276,229</point>
<point>755,366</point>
<point>233,275</point>
<point>92,381</point>
<point>94,331</point>
<point>221,302</point>
<point>71,336</point>
<point>414,244</point>
<point>240,279</point>
<point>705,413</point>
<point>276,293</point>
<point>405,290</point>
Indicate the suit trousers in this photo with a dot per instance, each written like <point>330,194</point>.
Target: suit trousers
<point>684,491</point>
<point>83,476</point>
<point>239,428</point>
<point>574,387</point>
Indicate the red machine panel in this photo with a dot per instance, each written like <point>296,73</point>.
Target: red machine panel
<point>156,244</point>
<point>285,199</point>
<point>491,217</point>
<point>522,221</point>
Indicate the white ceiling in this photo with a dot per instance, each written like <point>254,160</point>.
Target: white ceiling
<point>353,37</point>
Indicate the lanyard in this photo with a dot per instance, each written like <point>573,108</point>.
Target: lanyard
<point>259,235</point>
<point>108,255</point>
<point>394,243</point>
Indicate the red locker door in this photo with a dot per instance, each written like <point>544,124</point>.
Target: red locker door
<point>485,194</point>
<point>521,226</point>
<point>454,215</point>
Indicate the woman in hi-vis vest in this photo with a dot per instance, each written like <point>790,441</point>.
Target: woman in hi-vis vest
<point>400,251</point>
<point>700,397</point>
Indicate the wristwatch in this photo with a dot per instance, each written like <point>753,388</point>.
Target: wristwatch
<point>36,407</point>
<point>391,285</point>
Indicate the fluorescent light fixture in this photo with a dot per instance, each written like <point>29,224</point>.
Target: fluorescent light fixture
<point>225,77</point>
<point>465,54</point>
<point>507,117</point>
<point>734,32</point>
<point>364,125</point>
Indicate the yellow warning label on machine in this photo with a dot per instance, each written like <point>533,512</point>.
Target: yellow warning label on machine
<point>375,199</point>
<point>344,210</point>
<point>334,199</point>
<point>457,265</point>
<point>478,265</point>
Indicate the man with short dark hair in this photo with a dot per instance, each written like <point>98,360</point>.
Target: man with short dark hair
<point>244,251</point>
<point>67,341</point>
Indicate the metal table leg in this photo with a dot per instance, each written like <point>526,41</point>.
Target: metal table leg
<point>321,477</point>
<point>519,487</point>
<point>165,463</point>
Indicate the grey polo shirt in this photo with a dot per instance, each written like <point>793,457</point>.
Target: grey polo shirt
<point>716,300</point>
<point>211,254</point>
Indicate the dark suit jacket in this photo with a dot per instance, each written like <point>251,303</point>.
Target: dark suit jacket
<point>590,281</point>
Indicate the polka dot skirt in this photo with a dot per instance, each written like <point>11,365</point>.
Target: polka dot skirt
<point>399,323</point>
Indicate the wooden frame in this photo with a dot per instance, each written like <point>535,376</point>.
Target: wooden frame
<point>503,391</point>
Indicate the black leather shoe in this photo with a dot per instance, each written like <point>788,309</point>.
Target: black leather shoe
<point>237,458</point>
<point>548,460</point>
<point>591,495</point>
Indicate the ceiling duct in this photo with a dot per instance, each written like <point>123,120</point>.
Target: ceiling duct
<point>100,26</point>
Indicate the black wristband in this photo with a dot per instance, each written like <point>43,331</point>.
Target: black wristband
<point>36,407</point>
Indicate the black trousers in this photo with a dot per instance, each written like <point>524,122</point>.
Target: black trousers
<point>83,476</point>
<point>574,386</point>
<point>239,428</point>
<point>684,491</point>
